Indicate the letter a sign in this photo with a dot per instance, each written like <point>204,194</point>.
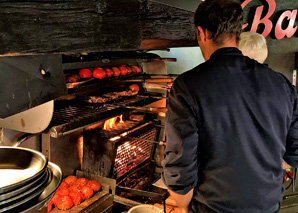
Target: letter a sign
<point>279,32</point>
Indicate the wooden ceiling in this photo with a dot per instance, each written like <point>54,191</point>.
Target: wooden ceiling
<point>75,26</point>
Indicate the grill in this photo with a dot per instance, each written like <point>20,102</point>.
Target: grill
<point>114,138</point>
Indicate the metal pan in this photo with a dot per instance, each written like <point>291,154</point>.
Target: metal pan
<point>19,166</point>
<point>22,200</point>
<point>26,187</point>
<point>42,200</point>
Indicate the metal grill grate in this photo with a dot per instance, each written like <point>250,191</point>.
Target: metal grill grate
<point>132,153</point>
<point>69,115</point>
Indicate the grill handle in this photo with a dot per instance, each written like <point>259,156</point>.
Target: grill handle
<point>161,143</point>
<point>150,109</point>
<point>162,196</point>
<point>149,80</point>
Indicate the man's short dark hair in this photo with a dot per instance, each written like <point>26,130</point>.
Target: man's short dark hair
<point>222,18</point>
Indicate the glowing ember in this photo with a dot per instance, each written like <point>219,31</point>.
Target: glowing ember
<point>124,134</point>
<point>115,138</point>
<point>128,156</point>
<point>80,151</point>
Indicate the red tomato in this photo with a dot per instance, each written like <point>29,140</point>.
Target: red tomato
<point>64,202</point>
<point>85,73</point>
<point>109,72</point>
<point>55,198</point>
<point>99,73</point>
<point>129,70</point>
<point>77,197</point>
<point>87,191</point>
<point>63,185</point>
<point>50,205</point>
<point>82,181</point>
<point>75,187</point>
<point>71,179</point>
<point>123,70</point>
<point>134,88</point>
<point>116,71</point>
<point>135,69</point>
<point>70,79</point>
<point>77,77</point>
<point>94,185</point>
<point>64,191</point>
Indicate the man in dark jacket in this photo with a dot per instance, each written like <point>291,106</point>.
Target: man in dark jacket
<point>230,122</point>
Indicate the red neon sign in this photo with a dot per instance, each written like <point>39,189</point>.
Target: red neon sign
<point>268,25</point>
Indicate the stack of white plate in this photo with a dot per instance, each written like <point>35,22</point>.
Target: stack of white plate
<point>27,180</point>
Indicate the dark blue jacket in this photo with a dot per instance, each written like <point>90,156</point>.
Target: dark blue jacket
<point>230,121</point>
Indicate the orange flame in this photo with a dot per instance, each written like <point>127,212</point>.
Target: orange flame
<point>121,121</point>
<point>112,122</point>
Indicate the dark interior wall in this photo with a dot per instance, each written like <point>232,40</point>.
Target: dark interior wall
<point>281,55</point>
<point>190,5</point>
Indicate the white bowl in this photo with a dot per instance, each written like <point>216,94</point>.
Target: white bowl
<point>145,208</point>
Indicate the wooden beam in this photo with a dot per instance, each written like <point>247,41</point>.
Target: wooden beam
<point>73,26</point>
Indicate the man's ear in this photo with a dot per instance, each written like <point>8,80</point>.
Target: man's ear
<point>202,34</point>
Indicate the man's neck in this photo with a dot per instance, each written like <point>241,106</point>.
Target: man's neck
<point>212,48</point>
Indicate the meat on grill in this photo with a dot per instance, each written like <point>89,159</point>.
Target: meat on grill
<point>117,94</point>
<point>135,117</point>
<point>108,96</point>
<point>96,99</point>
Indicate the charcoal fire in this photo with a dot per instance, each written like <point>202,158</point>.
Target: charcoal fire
<point>132,153</point>
<point>128,157</point>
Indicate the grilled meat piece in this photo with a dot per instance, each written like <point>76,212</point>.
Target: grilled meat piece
<point>108,96</point>
<point>135,117</point>
<point>125,93</point>
<point>96,99</point>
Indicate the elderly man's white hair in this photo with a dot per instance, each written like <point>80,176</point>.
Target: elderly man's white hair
<point>254,46</point>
